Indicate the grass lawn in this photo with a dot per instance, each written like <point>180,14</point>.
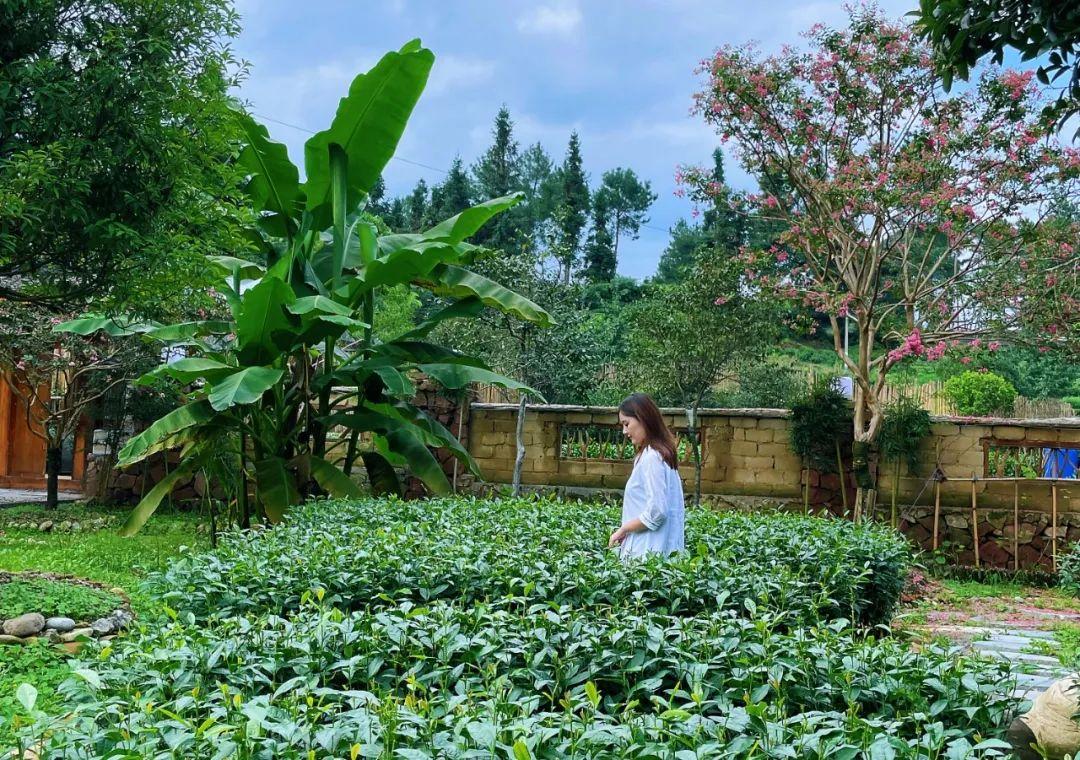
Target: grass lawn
<point>98,555</point>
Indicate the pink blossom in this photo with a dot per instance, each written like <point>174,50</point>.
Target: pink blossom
<point>976,343</point>
<point>721,301</point>
<point>965,360</point>
<point>782,257</point>
<point>993,345</point>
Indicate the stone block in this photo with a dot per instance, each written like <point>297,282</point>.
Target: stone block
<point>578,418</point>
<point>738,434</point>
<point>1009,433</point>
<point>760,435</point>
<point>758,464</point>
<point>944,429</point>
<point>743,448</point>
<point>769,423</point>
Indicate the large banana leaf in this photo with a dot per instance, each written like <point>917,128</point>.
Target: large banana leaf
<point>468,222</point>
<point>189,369</point>
<point>331,479</point>
<point>188,415</point>
<point>274,187</point>
<point>182,331</point>
<point>418,352</point>
<point>404,265</point>
<point>115,327</point>
<point>234,268</point>
<point>455,282</point>
<point>381,476</point>
<point>149,503</point>
<point>461,375</point>
<point>369,123</point>
<point>275,487</point>
<point>244,387</point>
<point>263,326</point>
<point>421,461</point>
<point>433,432</point>
<point>466,307</point>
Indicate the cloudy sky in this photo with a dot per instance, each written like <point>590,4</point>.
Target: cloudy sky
<point>620,72</point>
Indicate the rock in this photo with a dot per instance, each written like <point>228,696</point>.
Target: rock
<point>116,590</point>
<point>956,521</point>
<point>73,647</point>
<point>64,526</point>
<point>103,626</point>
<point>76,526</point>
<point>77,634</point>
<point>29,624</point>
<point>60,624</point>
<point>5,639</point>
<point>46,526</point>
<point>121,619</point>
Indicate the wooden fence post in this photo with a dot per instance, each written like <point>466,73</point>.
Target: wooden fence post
<point>974,520</point>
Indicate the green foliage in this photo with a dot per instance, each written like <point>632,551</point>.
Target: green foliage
<point>809,569</point>
<point>820,420</point>
<point>1069,570</point>
<point>1074,401</point>
<point>980,394</point>
<point>627,200</point>
<point>1036,374</point>
<point>52,598</point>
<point>116,147</point>
<point>903,428</point>
<point>511,626</point>
<point>40,664</point>
<point>768,385</point>
<point>1043,30</point>
<point>296,354</point>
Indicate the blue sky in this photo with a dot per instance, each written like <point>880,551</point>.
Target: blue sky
<point>620,72</point>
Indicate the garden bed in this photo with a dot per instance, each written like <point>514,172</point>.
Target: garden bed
<point>467,628</point>
<point>59,609</point>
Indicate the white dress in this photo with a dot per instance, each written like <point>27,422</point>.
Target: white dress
<point>654,494</point>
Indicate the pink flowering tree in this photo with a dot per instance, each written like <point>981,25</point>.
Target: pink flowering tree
<point>57,378</point>
<point>914,212</point>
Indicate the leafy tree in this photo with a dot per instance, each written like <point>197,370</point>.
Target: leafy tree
<point>919,230</point>
<point>296,355</point>
<point>677,260</point>
<point>686,338</point>
<point>573,204</point>
<point>57,379</point>
<point>627,200</point>
<point>963,33</point>
<point>498,173</point>
<point>417,206</point>
<point>454,194</point>
<point>600,257</point>
<point>538,183</point>
<point>115,137</point>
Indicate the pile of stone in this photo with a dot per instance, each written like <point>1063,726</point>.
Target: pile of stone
<point>58,526</point>
<point>65,631</point>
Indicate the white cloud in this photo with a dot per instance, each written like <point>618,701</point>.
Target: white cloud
<point>561,18</point>
<point>456,73</point>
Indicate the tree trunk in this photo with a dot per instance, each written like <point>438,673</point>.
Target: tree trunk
<point>841,476</point>
<point>520,460</point>
<point>866,489</point>
<point>692,429</point>
<point>52,476</point>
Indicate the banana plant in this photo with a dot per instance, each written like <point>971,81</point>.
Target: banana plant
<point>297,359</point>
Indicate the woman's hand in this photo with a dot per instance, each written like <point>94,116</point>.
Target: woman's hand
<point>617,537</point>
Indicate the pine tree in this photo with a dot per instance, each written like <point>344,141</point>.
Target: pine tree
<point>453,195</point>
<point>677,260</point>
<point>498,173</point>
<point>574,202</point>
<point>417,207</point>
<point>600,256</point>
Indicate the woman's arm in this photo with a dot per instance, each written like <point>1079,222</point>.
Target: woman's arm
<point>630,526</point>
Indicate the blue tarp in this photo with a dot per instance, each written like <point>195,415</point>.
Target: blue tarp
<point>1061,463</point>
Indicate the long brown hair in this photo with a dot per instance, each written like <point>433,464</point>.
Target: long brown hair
<point>644,410</point>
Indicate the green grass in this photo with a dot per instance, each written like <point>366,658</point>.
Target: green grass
<point>100,556</point>
<point>52,598</point>
<point>964,590</point>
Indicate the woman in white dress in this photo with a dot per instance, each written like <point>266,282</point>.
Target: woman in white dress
<point>653,514</point>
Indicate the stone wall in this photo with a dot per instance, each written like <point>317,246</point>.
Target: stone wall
<point>746,457</point>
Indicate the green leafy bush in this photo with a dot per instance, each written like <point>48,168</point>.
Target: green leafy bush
<point>51,598</point>
<point>1074,402</point>
<point>820,422</point>
<point>980,394</point>
<point>448,680</point>
<point>372,553</point>
<point>1069,570</point>
<point>769,386</point>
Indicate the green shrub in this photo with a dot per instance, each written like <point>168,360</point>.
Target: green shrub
<point>980,394</point>
<point>53,598</point>
<point>769,386</point>
<point>523,552</point>
<point>449,680</point>
<point>1069,570</point>
<point>820,421</point>
<point>1074,402</point>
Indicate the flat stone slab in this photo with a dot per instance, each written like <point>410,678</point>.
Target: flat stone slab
<point>24,496</point>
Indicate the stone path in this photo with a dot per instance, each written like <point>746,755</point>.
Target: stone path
<point>1023,647</point>
<point>9,496</point>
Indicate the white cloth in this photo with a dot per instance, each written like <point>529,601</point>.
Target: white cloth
<point>654,494</point>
